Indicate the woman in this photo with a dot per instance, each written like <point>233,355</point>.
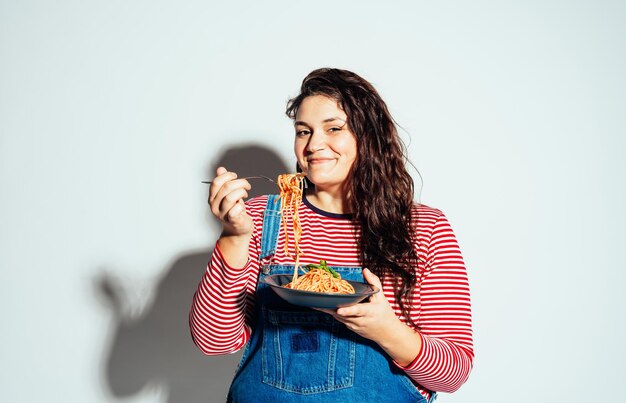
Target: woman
<point>406,342</point>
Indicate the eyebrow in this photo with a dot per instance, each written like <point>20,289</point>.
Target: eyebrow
<point>299,122</point>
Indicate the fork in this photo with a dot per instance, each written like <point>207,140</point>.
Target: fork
<point>248,177</point>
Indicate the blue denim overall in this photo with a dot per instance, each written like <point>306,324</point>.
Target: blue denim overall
<point>297,354</point>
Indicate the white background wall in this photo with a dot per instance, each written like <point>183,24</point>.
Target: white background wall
<point>111,113</point>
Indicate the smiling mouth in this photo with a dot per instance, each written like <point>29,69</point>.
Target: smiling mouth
<point>318,160</point>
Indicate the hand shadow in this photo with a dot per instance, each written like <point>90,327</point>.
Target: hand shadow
<point>156,347</point>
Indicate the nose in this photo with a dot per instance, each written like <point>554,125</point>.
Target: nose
<point>316,141</point>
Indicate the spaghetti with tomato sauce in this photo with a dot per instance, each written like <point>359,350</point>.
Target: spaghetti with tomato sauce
<point>318,278</point>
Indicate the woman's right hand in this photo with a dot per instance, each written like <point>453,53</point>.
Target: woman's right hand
<point>226,200</point>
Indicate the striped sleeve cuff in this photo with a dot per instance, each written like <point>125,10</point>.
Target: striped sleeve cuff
<point>439,366</point>
<point>230,272</point>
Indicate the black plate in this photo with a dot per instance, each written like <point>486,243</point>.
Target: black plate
<point>318,299</point>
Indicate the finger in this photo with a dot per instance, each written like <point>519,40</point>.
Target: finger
<point>351,311</point>
<point>231,186</point>
<point>235,195</point>
<point>371,278</point>
<point>233,200</point>
<point>218,183</point>
<point>220,170</point>
<point>227,188</point>
<point>225,199</point>
<point>235,211</point>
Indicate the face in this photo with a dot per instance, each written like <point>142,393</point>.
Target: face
<point>324,146</point>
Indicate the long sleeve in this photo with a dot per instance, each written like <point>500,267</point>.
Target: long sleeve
<point>444,317</point>
<point>224,300</point>
<point>217,317</point>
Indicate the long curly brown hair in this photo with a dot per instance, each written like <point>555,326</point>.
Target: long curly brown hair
<point>380,190</point>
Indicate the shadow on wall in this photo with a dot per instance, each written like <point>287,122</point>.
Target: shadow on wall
<point>155,349</point>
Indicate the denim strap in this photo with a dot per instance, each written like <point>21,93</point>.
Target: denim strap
<point>271,225</point>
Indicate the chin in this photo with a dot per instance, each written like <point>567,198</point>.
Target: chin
<point>322,183</point>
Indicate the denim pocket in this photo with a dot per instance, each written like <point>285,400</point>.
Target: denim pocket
<point>307,352</point>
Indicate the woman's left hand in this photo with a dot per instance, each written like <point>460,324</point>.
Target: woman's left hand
<point>374,320</point>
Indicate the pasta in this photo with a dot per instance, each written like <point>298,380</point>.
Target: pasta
<point>291,188</point>
<point>319,278</point>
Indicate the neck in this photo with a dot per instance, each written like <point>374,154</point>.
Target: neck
<point>332,202</point>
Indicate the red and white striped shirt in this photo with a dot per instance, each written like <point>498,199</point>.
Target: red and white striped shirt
<point>224,300</point>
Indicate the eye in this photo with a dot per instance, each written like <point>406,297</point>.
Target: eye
<point>303,132</point>
<point>334,129</point>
